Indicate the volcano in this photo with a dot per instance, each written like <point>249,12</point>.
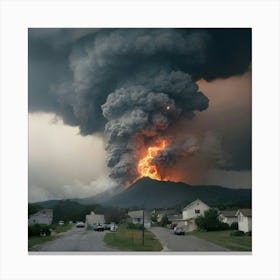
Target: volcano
<point>163,194</point>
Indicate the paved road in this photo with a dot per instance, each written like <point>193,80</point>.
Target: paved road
<point>76,239</point>
<point>172,242</point>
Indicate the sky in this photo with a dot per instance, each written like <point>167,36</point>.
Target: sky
<point>92,91</point>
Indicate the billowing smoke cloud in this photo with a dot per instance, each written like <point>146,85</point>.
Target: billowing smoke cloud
<point>132,76</point>
<point>136,83</point>
<point>147,110</point>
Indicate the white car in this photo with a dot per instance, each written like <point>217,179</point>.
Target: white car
<point>113,227</point>
<point>80,224</point>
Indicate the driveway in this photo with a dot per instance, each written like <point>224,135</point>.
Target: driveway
<point>172,242</point>
<point>76,239</point>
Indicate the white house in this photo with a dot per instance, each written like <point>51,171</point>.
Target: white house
<point>94,219</point>
<point>194,209</point>
<point>244,217</point>
<point>43,217</point>
<point>136,217</point>
<point>190,212</point>
<point>171,214</point>
<point>228,217</point>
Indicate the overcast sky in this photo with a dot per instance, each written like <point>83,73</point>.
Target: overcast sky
<point>67,156</point>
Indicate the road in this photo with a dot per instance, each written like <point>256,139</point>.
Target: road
<point>172,242</point>
<point>76,239</point>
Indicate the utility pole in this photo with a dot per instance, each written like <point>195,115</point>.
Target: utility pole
<point>143,227</point>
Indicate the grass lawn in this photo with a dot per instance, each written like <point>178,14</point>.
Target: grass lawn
<point>63,228</point>
<point>32,241</point>
<point>36,240</point>
<point>223,238</point>
<point>131,240</point>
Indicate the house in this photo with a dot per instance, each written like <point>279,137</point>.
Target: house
<point>194,209</point>
<point>43,217</point>
<point>94,219</point>
<point>171,214</point>
<point>136,217</point>
<point>244,217</point>
<point>189,213</point>
<point>228,217</point>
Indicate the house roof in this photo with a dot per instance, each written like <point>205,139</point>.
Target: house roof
<point>46,212</point>
<point>136,214</point>
<point>228,213</point>
<point>176,217</point>
<point>194,202</point>
<point>245,212</point>
<point>167,212</point>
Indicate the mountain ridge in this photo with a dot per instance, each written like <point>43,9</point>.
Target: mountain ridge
<point>161,194</point>
<point>150,193</point>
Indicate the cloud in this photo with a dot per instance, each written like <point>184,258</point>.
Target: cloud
<point>63,163</point>
<point>119,81</point>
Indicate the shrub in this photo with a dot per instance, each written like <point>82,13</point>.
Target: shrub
<point>237,233</point>
<point>234,226</point>
<point>249,233</point>
<point>164,221</point>
<point>223,226</point>
<point>210,221</point>
<point>37,230</point>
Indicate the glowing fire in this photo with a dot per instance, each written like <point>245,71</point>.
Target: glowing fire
<point>145,166</point>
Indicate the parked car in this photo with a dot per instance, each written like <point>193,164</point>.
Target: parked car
<point>173,226</point>
<point>80,224</point>
<point>107,226</point>
<point>113,227</point>
<point>98,227</point>
<point>61,223</point>
<point>179,231</point>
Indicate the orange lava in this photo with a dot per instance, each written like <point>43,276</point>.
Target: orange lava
<point>145,166</point>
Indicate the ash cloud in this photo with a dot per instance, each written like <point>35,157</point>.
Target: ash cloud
<point>142,110</point>
<point>119,81</point>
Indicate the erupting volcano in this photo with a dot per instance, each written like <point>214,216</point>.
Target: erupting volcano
<point>146,166</point>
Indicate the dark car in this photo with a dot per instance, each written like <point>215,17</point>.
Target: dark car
<point>179,231</point>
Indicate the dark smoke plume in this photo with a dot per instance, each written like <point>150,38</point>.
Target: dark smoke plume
<point>132,75</point>
<point>123,80</point>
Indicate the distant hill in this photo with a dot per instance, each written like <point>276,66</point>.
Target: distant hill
<point>163,194</point>
<point>68,210</point>
<point>98,198</point>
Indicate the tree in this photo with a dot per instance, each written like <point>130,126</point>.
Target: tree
<point>210,221</point>
<point>154,218</point>
<point>164,221</point>
<point>234,225</point>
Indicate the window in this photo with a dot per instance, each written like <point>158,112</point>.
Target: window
<point>196,211</point>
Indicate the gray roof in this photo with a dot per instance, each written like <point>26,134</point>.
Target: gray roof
<point>167,212</point>
<point>228,213</point>
<point>136,214</point>
<point>46,212</point>
<point>245,212</point>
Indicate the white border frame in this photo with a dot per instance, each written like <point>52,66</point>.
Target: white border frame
<point>17,16</point>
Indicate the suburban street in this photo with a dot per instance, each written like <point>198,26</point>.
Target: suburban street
<point>76,239</point>
<point>172,242</point>
<point>82,240</point>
